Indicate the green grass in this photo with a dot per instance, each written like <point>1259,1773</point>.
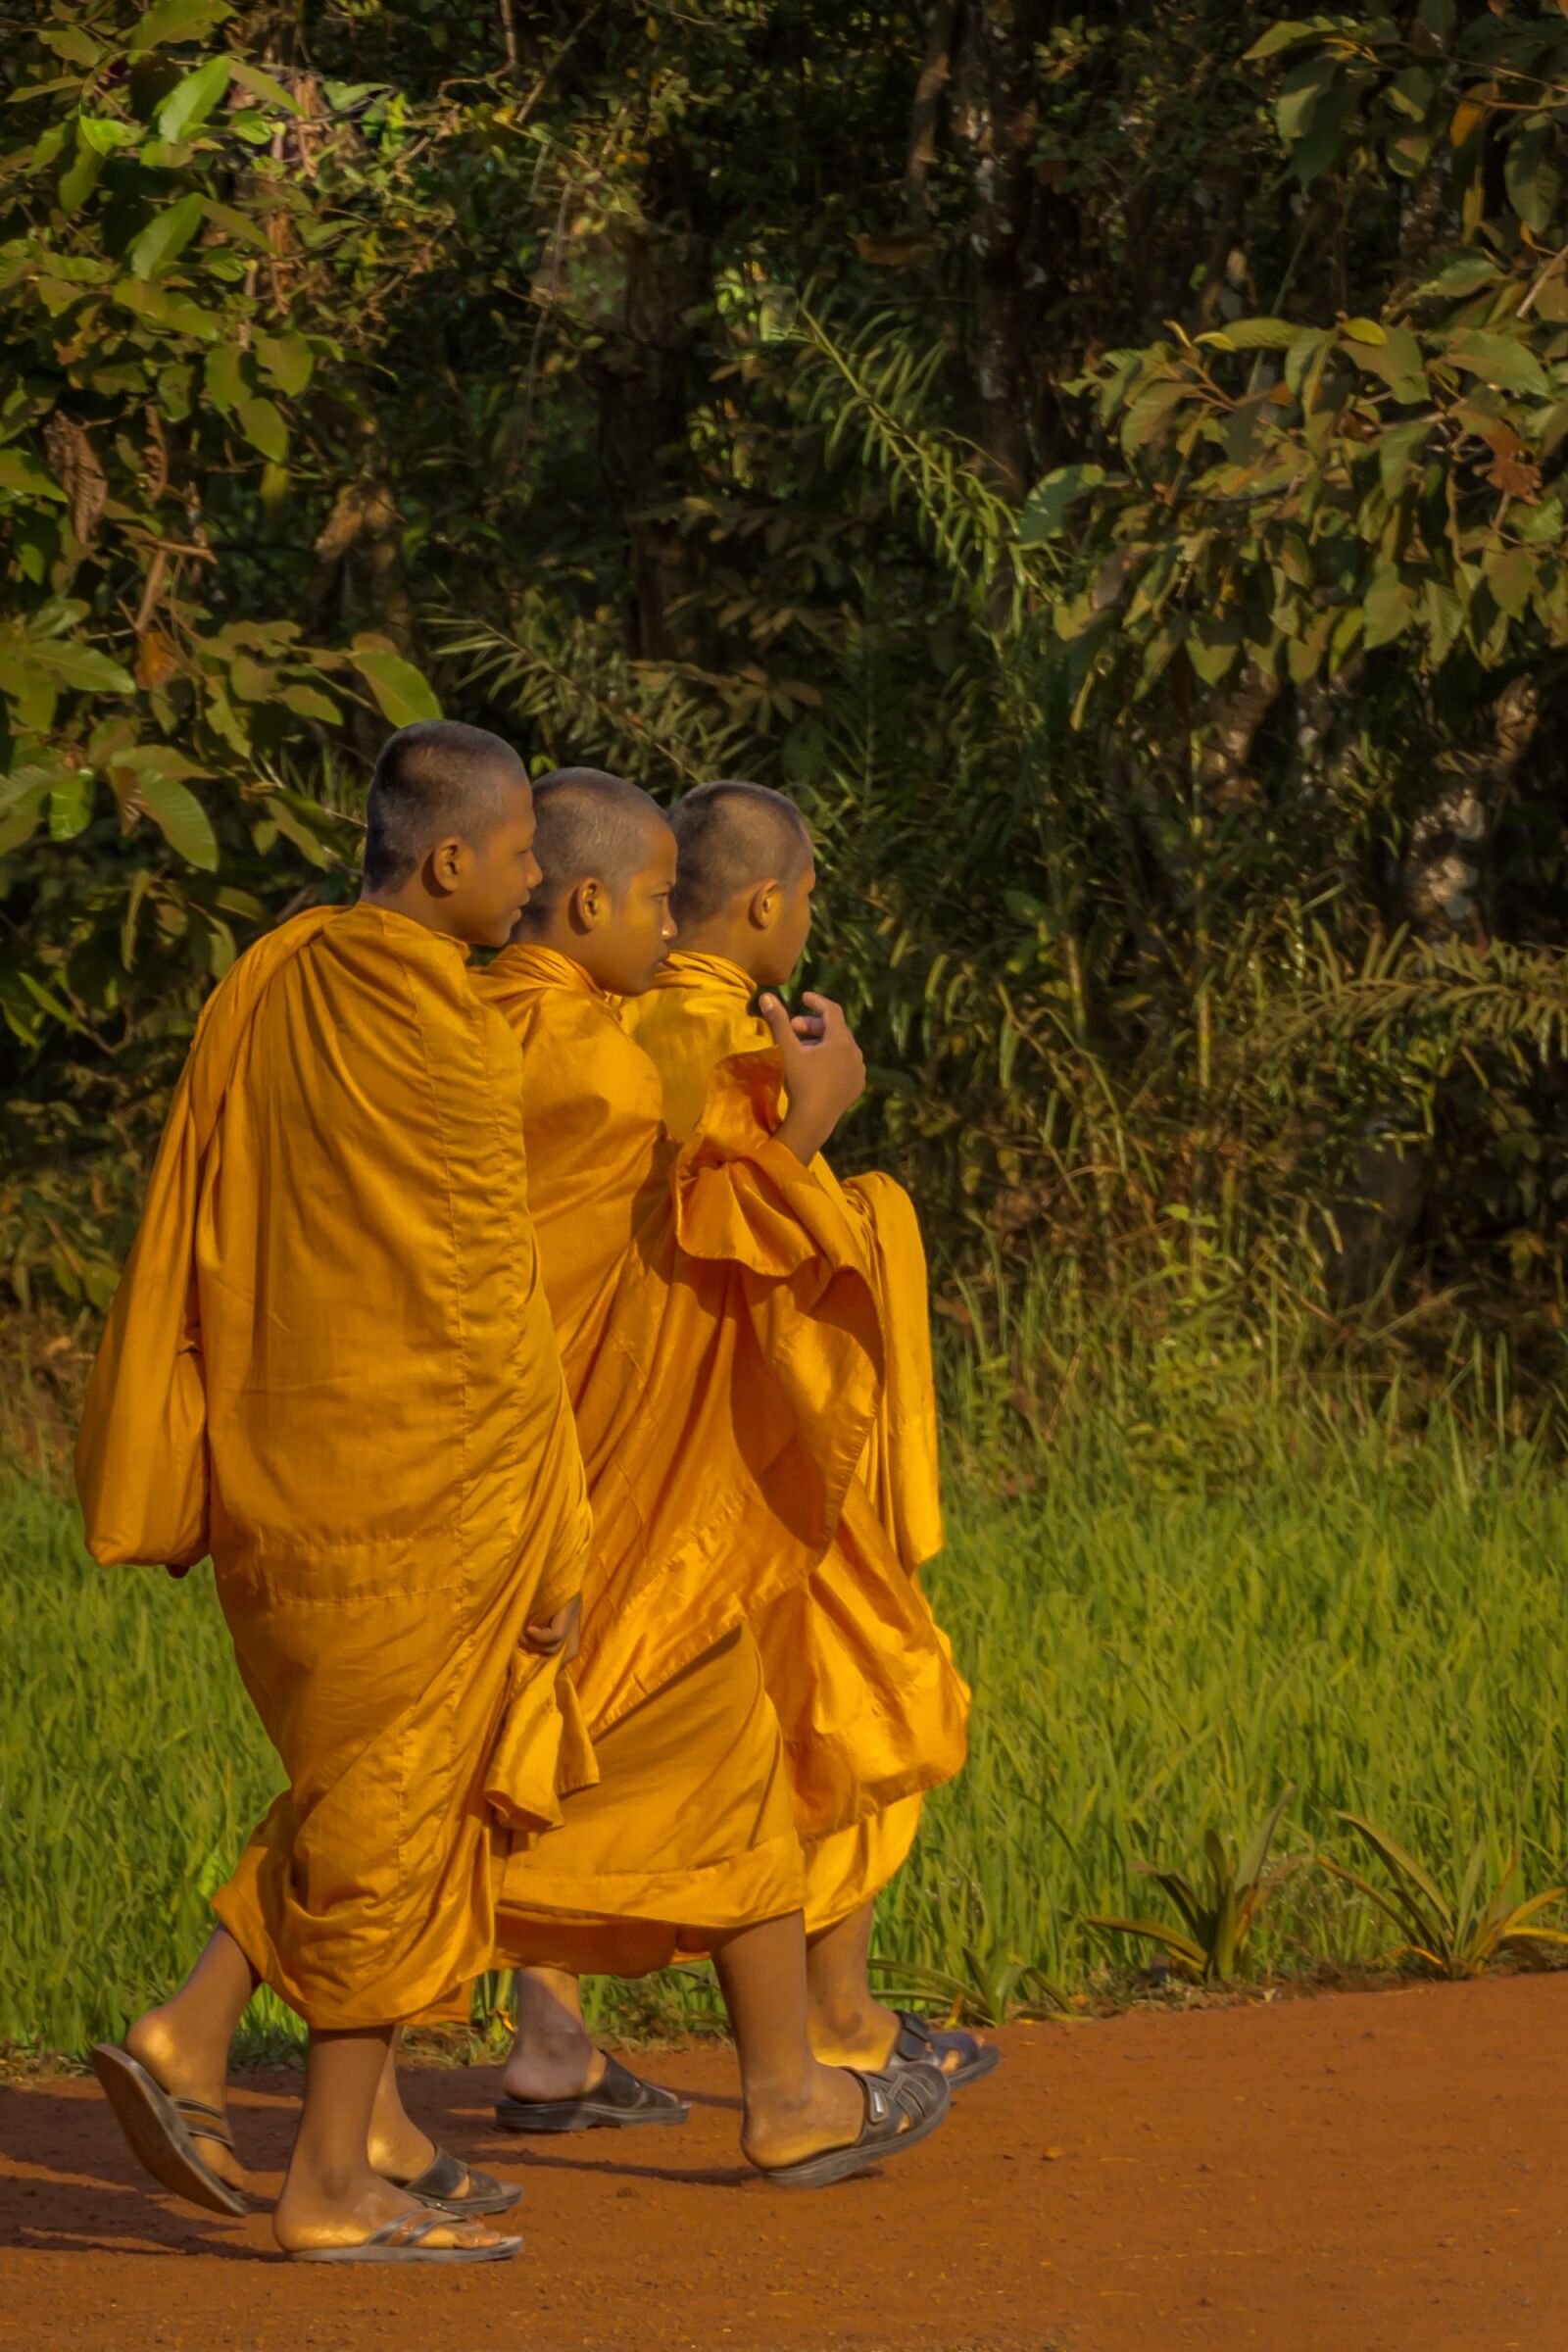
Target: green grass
<point>1161,1636</point>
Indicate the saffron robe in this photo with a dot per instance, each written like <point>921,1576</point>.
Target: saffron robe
<point>723,1354</point>
<point>330,1363</point>
<point>873,1709</point>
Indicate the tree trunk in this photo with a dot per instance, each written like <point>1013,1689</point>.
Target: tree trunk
<point>995,115</point>
<point>645,387</point>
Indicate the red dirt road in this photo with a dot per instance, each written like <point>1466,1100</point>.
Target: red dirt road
<point>1374,2172</point>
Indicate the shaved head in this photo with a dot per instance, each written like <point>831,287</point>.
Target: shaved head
<point>435,781</point>
<point>732,836</point>
<point>592,826</point>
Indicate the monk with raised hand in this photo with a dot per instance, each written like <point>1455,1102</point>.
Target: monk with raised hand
<point>330,1365</point>
<point>873,1710</point>
<point>723,1354</point>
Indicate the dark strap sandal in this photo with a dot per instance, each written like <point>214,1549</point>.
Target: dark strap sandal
<point>901,2110</point>
<point>441,2183</point>
<point>403,2241</point>
<point>616,2103</point>
<point>163,2131</point>
<point>918,2046</point>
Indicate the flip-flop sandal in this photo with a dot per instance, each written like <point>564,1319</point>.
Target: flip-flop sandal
<point>163,2131</point>
<point>616,2103</point>
<point>901,2110</point>
<point>403,2241</point>
<point>441,2185</point>
<point>918,2046</point>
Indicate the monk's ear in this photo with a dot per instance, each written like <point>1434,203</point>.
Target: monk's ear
<point>446,864</point>
<point>762,908</point>
<point>587,905</point>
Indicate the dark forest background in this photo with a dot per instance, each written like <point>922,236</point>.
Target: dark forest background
<point>1107,462</point>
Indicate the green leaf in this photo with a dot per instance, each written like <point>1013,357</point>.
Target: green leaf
<point>262,85</point>
<point>181,820</point>
<point>81,665</point>
<point>165,236</point>
<point>1512,576</point>
<point>192,100</point>
<point>236,224</point>
<point>306,703</point>
<point>1413,91</point>
<point>261,423</point>
<point>1303,85</point>
<point>1365,330</point>
<point>71,806</point>
<point>1052,500</point>
<point>1150,411</point>
<point>1444,618</point>
<point>1499,359</point>
<point>1532,177</point>
<point>1398,361</point>
<point>1389,608</point>
<point>21,472</point>
<point>1399,451</point>
<point>160,308</point>
<point>1253,334</point>
<point>402,694</point>
<point>178,20</point>
<point>106,134</point>
<point>224,374</point>
<point>1289,35</point>
<point>288,360</point>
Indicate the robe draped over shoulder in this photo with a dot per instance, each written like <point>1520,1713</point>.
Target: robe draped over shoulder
<point>723,1354</point>
<point>872,1708</point>
<point>331,1364</point>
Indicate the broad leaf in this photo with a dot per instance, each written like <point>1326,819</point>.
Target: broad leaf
<point>165,236</point>
<point>178,20</point>
<point>181,820</point>
<point>402,694</point>
<point>191,101</point>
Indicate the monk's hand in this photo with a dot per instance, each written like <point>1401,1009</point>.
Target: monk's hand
<point>559,1636</point>
<point>824,1072</point>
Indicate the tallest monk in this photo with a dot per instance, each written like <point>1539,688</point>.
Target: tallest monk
<point>331,1364</point>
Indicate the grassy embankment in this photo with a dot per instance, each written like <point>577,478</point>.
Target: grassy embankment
<point>1208,1583</point>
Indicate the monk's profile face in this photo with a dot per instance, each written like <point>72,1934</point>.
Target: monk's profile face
<point>625,929</point>
<point>783,942</point>
<point>490,882</point>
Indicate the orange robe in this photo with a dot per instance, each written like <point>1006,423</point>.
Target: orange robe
<point>330,1363</point>
<point>723,1354</point>
<point>874,1712</point>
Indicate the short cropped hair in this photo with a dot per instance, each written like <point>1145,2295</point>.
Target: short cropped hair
<point>434,779</point>
<point>591,825</point>
<point>729,834</point>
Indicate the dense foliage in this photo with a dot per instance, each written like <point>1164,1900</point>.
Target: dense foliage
<point>1108,462</point>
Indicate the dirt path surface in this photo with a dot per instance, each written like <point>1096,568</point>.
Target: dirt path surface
<point>1381,2172</point>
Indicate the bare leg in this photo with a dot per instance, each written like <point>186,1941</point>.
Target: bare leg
<point>331,2195</point>
<point>553,2055</point>
<point>794,2105</point>
<point>185,2045</point>
<point>850,2026</point>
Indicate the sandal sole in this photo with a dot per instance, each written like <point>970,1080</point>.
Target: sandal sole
<point>502,2251</point>
<point>156,2136</point>
<point>561,2114</point>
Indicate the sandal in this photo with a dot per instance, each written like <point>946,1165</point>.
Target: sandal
<point>443,2177</point>
<point>615,2103</point>
<point>901,2109</point>
<point>403,2241</point>
<point>163,2131</point>
<point>918,2046</point>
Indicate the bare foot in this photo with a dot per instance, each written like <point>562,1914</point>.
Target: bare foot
<point>186,2073</point>
<point>827,2113</point>
<point>346,2212</point>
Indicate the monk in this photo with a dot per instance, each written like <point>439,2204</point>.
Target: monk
<point>723,1354</point>
<point>330,1365</point>
<point>873,1710</point>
